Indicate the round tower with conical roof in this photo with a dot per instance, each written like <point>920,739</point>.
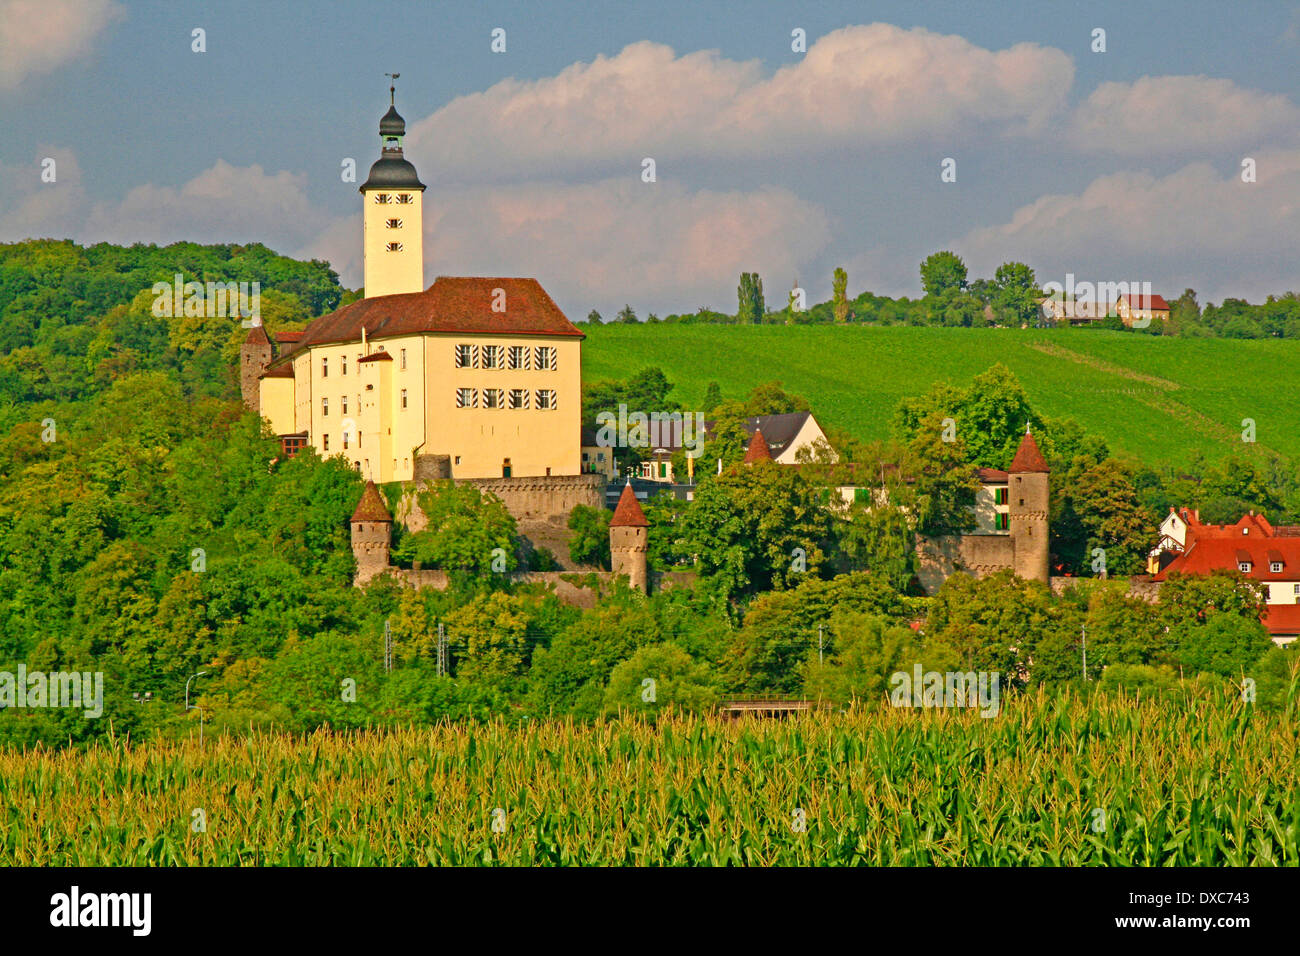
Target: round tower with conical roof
<point>372,534</point>
<point>1027,500</point>
<point>629,540</point>
<point>392,215</point>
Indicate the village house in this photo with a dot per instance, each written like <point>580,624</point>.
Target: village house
<point>1145,308</point>
<point>1251,546</point>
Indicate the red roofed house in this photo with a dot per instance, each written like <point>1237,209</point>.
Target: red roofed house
<point>1251,546</point>
<point>484,372</point>
<point>1141,308</point>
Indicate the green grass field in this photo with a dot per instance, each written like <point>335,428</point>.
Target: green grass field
<point>1156,398</point>
<point>1054,781</point>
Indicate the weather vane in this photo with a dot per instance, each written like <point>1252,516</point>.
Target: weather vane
<point>392,87</point>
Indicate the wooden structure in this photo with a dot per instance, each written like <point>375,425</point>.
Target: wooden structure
<point>765,706</point>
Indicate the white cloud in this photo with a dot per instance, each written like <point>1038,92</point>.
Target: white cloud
<point>1195,227</point>
<point>1161,114</point>
<point>858,85</point>
<point>38,209</point>
<point>37,36</point>
<point>657,246</point>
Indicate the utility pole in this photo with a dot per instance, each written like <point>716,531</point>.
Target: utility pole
<point>819,644</point>
<point>201,711</point>
<point>388,646</point>
<point>442,651</point>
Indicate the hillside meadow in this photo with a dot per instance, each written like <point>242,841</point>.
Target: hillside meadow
<point>1157,398</point>
<point>1050,780</point>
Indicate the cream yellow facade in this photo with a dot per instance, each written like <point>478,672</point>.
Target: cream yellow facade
<point>393,240</point>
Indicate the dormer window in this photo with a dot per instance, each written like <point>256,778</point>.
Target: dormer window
<point>1244,567</point>
<point>1275,567</point>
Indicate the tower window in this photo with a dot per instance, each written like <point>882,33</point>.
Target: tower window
<point>394,247</point>
<point>324,368</point>
<point>383,198</point>
<point>404,198</point>
<point>324,406</point>
<point>517,356</point>
<point>403,398</point>
<point>393,223</point>
<point>403,358</point>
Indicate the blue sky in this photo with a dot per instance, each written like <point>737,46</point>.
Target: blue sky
<point>1116,165</point>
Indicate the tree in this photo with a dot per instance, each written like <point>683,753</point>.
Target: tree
<point>626,314</point>
<point>751,308</point>
<point>942,271</point>
<point>712,398</point>
<point>676,682</point>
<point>839,295</point>
<point>992,622</point>
<point>467,531</point>
<point>1018,292</point>
<point>593,318</point>
<point>589,542</point>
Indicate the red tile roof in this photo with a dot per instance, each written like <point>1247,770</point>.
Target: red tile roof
<point>256,336</point>
<point>992,476</point>
<point>456,304</point>
<point>1282,620</point>
<point>278,371</point>
<point>628,513</point>
<point>371,506</point>
<point>288,336</point>
<point>757,450</point>
<point>1146,302</point>
<point>1028,457</point>
<point>376,357</point>
<point>1206,554</point>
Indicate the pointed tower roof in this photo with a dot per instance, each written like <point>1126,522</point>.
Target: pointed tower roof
<point>758,450</point>
<point>257,335</point>
<point>371,506</point>
<point>1028,457</point>
<point>628,514</point>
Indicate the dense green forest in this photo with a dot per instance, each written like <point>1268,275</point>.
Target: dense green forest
<point>149,530</point>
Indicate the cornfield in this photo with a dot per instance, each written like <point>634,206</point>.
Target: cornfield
<point>1049,781</point>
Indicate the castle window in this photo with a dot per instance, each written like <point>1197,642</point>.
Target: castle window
<point>519,398</point>
<point>491,356</point>
<point>466,356</point>
<point>345,439</point>
<point>1022,502</point>
<point>324,368</point>
<point>467,398</point>
<point>325,442</point>
<point>383,198</point>
<point>394,247</point>
<point>393,223</point>
<point>505,468</point>
<point>546,398</point>
<point>1001,521</point>
<point>404,198</point>
<point>403,399</point>
<point>518,356</point>
<point>1000,496</point>
<point>493,398</point>
<point>343,402</point>
<point>403,358</point>
<point>343,365</point>
<point>544,358</point>
<point>324,406</point>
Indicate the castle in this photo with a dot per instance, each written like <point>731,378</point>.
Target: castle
<point>1011,515</point>
<point>477,377</point>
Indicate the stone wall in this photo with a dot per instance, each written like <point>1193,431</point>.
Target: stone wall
<point>977,554</point>
<point>570,587</point>
<point>546,498</point>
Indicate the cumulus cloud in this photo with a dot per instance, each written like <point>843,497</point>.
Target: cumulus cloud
<point>1159,114</point>
<point>31,208</point>
<point>1197,227</point>
<point>37,36</point>
<point>858,85</point>
<point>658,246</point>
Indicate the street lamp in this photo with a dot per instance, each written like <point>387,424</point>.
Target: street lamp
<point>195,706</point>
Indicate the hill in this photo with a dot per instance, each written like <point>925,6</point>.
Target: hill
<point>1158,398</point>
